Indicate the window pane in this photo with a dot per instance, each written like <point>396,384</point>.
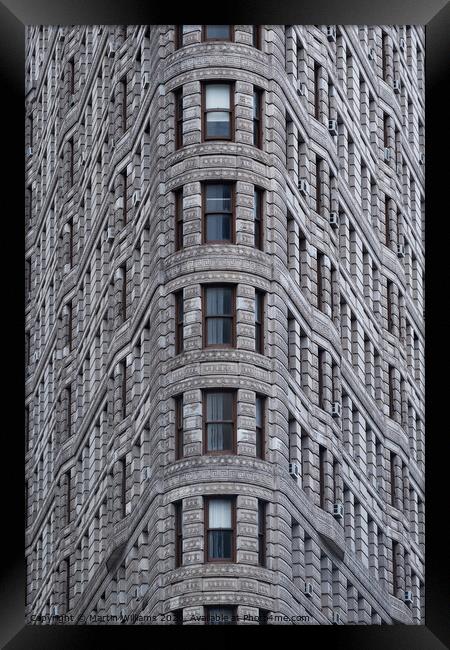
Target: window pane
<point>256,103</point>
<point>217,96</point>
<point>219,544</point>
<point>220,437</point>
<point>219,513</point>
<point>218,125</point>
<point>257,204</point>
<point>258,305</point>
<point>220,616</point>
<point>218,227</point>
<point>218,331</point>
<point>217,31</point>
<point>219,301</point>
<point>259,412</point>
<point>219,406</point>
<point>218,197</point>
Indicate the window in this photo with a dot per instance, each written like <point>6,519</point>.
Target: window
<point>391,391</point>
<point>70,242</point>
<point>177,616</point>
<point>219,319</point>
<point>384,54</point>
<point>393,479</point>
<point>257,122</point>
<point>68,497</point>
<point>123,486</point>
<point>256,36</point>
<point>178,507</point>
<point>260,428</point>
<point>317,91</point>
<point>178,118</point>
<point>218,206</point>
<point>70,151</point>
<point>319,168</point>
<point>220,523</point>
<point>69,410</point>
<point>71,71</point>
<point>124,112</point>
<point>322,476</point>
<point>258,217</point>
<point>262,507</point>
<point>219,418</point>
<point>123,293</point>
<point>67,567</point>
<point>320,266</point>
<point>179,230</point>
<point>179,438</point>
<point>69,326</point>
<point>220,615</point>
<point>259,322</point>
<point>123,367</point>
<point>179,322</point>
<point>263,616</point>
<point>389,291</point>
<point>217,32</point>
<point>179,32</point>
<point>217,111</point>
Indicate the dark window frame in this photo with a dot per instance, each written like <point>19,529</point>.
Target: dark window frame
<point>220,40</point>
<point>123,486</point>
<point>123,388</point>
<point>71,73</point>
<point>233,614</point>
<point>124,107</point>
<point>258,120</point>
<point>205,421</point>
<point>124,176</point>
<point>260,304</point>
<point>205,317</point>
<point>179,430</point>
<point>232,213</point>
<point>124,293</point>
<point>231,110</point>
<point>319,166</point>
<point>257,37</point>
<point>69,410</point>
<point>178,37</point>
<point>321,383</point>
<point>258,217</point>
<point>317,70</point>
<point>178,521</point>
<point>178,117</point>
<point>232,500</point>
<point>322,452</point>
<point>261,431</point>
<point>179,223</point>
<point>262,532</point>
<point>179,322</point>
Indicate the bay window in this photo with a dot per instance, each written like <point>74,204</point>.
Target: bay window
<point>220,525</point>
<point>218,317</point>
<point>219,417</point>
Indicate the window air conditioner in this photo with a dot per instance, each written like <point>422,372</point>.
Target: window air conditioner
<point>29,151</point>
<point>338,510</point>
<point>402,44</point>
<point>334,219</point>
<point>336,618</point>
<point>136,199</point>
<point>397,86</point>
<point>387,154</point>
<point>371,54</point>
<point>331,33</point>
<point>408,597</point>
<point>303,186</point>
<point>145,80</point>
<point>110,50</point>
<point>400,250</point>
<point>128,508</point>
<point>55,610</point>
<point>294,470</point>
<point>422,159</point>
<point>301,89</point>
<point>110,235</point>
<point>308,589</point>
<point>336,410</point>
<point>145,473</point>
<point>332,127</point>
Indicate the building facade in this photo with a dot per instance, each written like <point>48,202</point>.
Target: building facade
<point>225,324</point>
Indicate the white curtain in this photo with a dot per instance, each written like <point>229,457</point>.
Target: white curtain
<point>219,511</point>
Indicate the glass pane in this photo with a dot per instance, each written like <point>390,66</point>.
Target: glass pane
<point>218,125</point>
<point>218,227</point>
<point>219,513</point>
<point>219,301</point>
<point>219,406</point>
<point>218,197</point>
<point>218,331</point>
<point>217,31</point>
<point>220,616</point>
<point>256,103</point>
<point>259,412</point>
<point>220,437</point>
<point>217,96</point>
<point>219,544</point>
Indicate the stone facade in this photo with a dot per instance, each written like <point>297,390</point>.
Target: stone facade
<point>341,369</point>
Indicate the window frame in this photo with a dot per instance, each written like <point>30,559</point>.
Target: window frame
<point>259,92</point>
<point>179,323</point>
<point>205,422</point>
<point>218,40</point>
<point>178,527</point>
<point>178,117</point>
<point>258,217</point>
<point>262,429</point>
<point>206,502</point>
<point>179,428</point>
<point>230,111</point>
<point>259,321</point>
<point>262,533</point>
<point>179,222</point>
<point>232,239</point>
<point>208,608</point>
<point>205,317</point>
<point>257,37</point>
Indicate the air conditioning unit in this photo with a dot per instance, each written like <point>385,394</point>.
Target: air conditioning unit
<point>422,159</point>
<point>334,219</point>
<point>110,51</point>
<point>301,89</point>
<point>128,508</point>
<point>332,127</point>
<point>59,355</point>
<point>371,54</point>
<point>110,235</point>
<point>55,610</point>
<point>397,85</point>
<point>387,154</point>
<point>60,36</point>
<point>145,473</point>
<point>294,470</point>
<point>408,597</point>
<point>400,250</point>
<point>402,44</point>
<point>303,186</point>
<point>336,618</point>
<point>136,199</point>
<point>145,80</point>
<point>29,151</point>
<point>338,510</point>
<point>331,33</point>
<point>336,410</point>
<point>308,590</point>
<point>83,157</point>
